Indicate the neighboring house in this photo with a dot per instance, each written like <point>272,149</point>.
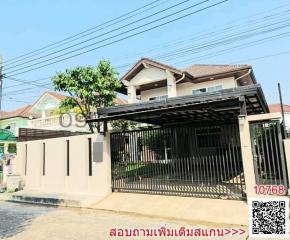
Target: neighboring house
<point>46,107</point>
<point>42,115</point>
<point>150,80</point>
<point>16,119</point>
<point>277,108</point>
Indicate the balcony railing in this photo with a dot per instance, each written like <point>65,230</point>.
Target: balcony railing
<point>59,122</point>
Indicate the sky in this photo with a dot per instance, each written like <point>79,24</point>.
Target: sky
<point>28,25</point>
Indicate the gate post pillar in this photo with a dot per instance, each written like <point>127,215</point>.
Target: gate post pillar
<point>247,156</point>
<point>287,155</point>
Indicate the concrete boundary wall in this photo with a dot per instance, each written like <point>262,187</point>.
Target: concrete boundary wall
<point>55,179</point>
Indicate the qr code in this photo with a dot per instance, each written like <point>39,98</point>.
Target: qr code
<point>269,217</point>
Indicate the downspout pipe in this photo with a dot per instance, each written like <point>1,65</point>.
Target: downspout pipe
<point>246,74</point>
<point>180,79</point>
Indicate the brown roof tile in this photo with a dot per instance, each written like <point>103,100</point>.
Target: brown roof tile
<point>194,71</point>
<point>20,112</point>
<point>277,108</point>
<point>56,95</point>
<point>201,70</point>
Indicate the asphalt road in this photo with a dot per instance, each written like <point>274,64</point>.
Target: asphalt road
<point>32,222</point>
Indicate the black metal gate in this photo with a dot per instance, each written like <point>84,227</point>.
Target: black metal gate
<point>187,161</point>
<point>269,157</point>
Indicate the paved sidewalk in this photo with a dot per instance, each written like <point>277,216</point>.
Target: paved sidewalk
<point>199,210</point>
<point>194,210</point>
<point>28,222</point>
<point>58,199</point>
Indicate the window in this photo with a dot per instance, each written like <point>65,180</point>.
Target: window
<point>158,98</point>
<point>209,89</point>
<point>11,127</point>
<point>199,91</point>
<point>12,148</point>
<point>215,88</point>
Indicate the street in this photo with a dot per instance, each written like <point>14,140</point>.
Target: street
<point>28,222</point>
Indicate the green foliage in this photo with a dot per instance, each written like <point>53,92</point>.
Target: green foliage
<point>156,141</point>
<point>12,148</point>
<point>123,125</point>
<point>88,86</point>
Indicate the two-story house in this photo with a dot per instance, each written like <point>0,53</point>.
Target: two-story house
<point>150,80</point>
<point>190,139</point>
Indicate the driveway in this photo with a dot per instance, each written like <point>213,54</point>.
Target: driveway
<point>30,222</point>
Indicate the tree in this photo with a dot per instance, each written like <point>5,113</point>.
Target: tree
<point>88,87</point>
<point>123,125</point>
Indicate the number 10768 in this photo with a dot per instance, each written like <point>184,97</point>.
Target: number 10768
<point>270,189</point>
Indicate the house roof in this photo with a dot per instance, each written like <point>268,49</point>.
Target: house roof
<point>56,95</point>
<point>20,112</point>
<point>193,71</point>
<point>141,64</point>
<point>276,107</point>
<point>202,70</point>
<point>25,111</point>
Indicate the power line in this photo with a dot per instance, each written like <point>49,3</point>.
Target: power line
<point>244,60</point>
<point>210,33</point>
<point>21,81</point>
<point>201,48</point>
<point>27,82</point>
<point>268,17</point>
<point>118,40</point>
<point>119,18</point>
<point>241,46</point>
<point>104,34</point>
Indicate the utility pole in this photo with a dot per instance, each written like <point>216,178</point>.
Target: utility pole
<point>282,110</point>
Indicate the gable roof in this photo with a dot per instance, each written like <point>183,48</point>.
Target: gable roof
<point>277,108</point>
<point>141,64</point>
<point>192,71</point>
<point>20,112</point>
<point>56,95</point>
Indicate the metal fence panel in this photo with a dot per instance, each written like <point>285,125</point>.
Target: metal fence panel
<point>269,157</point>
<point>183,160</point>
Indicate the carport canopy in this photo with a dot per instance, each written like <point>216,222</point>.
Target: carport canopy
<point>7,136</point>
<point>221,106</point>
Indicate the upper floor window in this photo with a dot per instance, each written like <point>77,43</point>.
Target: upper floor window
<point>159,98</point>
<point>199,91</point>
<point>11,127</point>
<point>215,88</point>
<point>209,89</point>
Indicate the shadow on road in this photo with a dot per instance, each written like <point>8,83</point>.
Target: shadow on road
<point>14,218</point>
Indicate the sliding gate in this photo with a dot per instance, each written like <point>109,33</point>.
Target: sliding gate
<point>186,161</point>
<point>269,157</point>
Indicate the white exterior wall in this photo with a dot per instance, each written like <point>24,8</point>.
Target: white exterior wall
<point>145,95</point>
<point>287,120</point>
<point>148,75</point>
<point>56,179</point>
<point>186,88</point>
